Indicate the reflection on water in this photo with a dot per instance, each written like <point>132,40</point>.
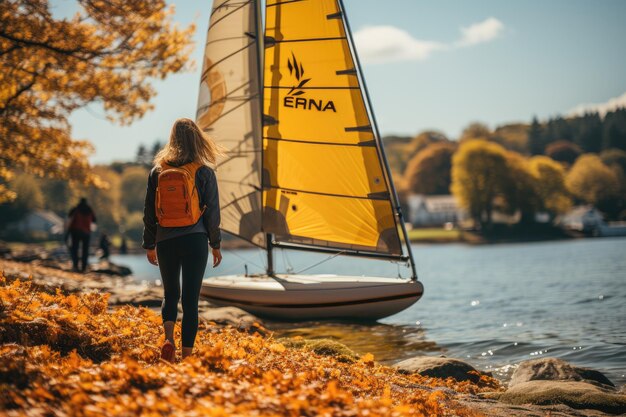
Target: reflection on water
<point>388,343</point>
<point>493,306</point>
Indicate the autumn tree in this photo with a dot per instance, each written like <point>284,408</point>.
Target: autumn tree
<point>475,130</point>
<point>554,198</point>
<point>591,181</point>
<point>563,151</point>
<point>105,201</point>
<point>479,170</point>
<point>429,171</point>
<point>57,195</point>
<point>512,136</point>
<point>519,189</point>
<point>29,198</point>
<point>107,53</point>
<point>133,188</point>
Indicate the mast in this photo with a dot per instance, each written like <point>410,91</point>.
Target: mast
<point>260,35</point>
<point>380,147</point>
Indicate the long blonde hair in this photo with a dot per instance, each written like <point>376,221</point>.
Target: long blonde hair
<point>188,144</point>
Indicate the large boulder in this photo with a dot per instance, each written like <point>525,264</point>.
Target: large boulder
<point>438,367</point>
<point>575,394</point>
<point>109,268</point>
<point>138,296</point>
<point>231,316</point>
<point>553,369</point>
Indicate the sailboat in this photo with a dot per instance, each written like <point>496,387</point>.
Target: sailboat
<point>305,168</point>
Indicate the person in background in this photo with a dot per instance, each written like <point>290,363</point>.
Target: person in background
<point>178,239</point>
<point>79,229</point>
<point>124,246</point>
<point>105,246</point>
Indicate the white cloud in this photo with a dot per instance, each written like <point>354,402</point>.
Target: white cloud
<point>379,44</point>
<point>601,108</point>
<point>485,31</point>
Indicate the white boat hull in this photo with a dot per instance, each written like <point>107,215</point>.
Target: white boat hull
<point>309,297</point>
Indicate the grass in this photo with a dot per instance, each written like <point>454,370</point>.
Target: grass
<point>435,235</point>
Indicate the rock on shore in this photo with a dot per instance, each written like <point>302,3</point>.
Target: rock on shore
<point>537,387</point>
<point>440,367</point>
<point>549,381</point>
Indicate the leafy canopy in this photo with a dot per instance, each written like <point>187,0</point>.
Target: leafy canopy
<point>106,53</point>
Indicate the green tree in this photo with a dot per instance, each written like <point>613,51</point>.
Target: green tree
<point>591,181</point>
<point>536,142</point>
<point>133,226</point>
<point>133,188</point>
<point>553,195</point>
<point>614,130</point>
<point>57,195</point>
<point>587,132</point>
<point>156,147</point>
<point>29,198</point>
<point>479,171</point>
<point>429,171</point>
<point>104,201</point>
<point>142,155</point>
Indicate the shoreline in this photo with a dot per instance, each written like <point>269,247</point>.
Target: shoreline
<point>464,398</point>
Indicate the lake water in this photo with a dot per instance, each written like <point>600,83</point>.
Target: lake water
<point>491,305</point>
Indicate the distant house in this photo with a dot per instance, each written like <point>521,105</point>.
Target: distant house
<point>40,224</point>
<point>582,218</point>
<point>433,210</point>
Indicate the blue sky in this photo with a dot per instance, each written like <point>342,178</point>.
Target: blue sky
<point>437,64</point>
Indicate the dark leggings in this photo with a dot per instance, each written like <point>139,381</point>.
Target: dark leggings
<point>79,238</point>
<point>189,252</point>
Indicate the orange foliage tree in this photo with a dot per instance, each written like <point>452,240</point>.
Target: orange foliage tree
<point>429,171</point>
<point>106,53</point>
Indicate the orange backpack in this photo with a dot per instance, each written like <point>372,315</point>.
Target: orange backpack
<point>177,202</point>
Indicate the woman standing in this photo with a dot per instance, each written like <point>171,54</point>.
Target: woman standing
<point>181,211</point>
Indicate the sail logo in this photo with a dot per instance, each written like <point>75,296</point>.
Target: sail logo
<point>293,98</point>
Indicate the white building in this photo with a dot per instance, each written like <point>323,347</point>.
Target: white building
<point>40,223</point>
<point>433,210</point>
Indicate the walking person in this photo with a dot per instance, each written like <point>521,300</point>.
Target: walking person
<point>181,219</point>
<point>79,229</point>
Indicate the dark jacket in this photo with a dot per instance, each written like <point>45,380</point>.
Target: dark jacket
<point>81,218</point>
<point>209,223</point>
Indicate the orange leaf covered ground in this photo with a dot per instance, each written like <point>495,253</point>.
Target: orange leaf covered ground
<point>67,355</point>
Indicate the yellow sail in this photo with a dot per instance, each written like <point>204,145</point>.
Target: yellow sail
<point>323,178</point>
<point>229,111</point>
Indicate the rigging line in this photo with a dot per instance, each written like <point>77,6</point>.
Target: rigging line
<point>227,14</point>
<point>335,38</point>
<point>243,48</point>
<point>311,142</point>
<point>283,2</point>
<point>327,194</point>
<point>278,87</point>
<point>229,38</point>
<point>231,110</point>
<point>225,206</point>
<point>227,4</point>
<point>243,259</point>
<point>245,184</point>
<point>225,99</point>
<point>319,263</point>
